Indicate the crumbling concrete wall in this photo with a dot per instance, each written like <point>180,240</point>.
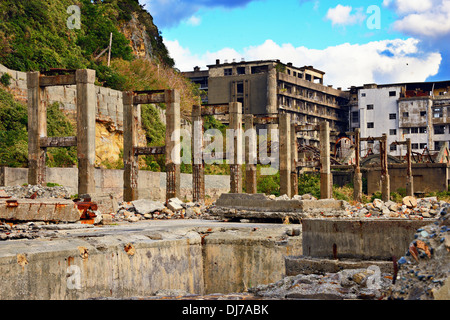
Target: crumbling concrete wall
<point>151,184</point>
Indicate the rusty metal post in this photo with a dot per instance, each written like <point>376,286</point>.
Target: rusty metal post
<point>357,178</point>
<point>294,160</point>
<point>326,178</point>
<point>173,147</point>
<point>86,103</point>
<point>250,155</point>
<point>37,128</point>
<point>235,110</point>
<point>385,183</point>
<point>198,170</point>
<point>130,142</point>
<point>409,175</point>
<point>284,126</point>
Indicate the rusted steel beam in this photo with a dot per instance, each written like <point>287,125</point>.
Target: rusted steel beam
<point>215,110</point>
<point>149,98</point>
<point>265,120</point>
<point>58,142</point>
<point>142,151</point>
<point>307,127</point>
<point>58,80</point>
<point>371,139</point>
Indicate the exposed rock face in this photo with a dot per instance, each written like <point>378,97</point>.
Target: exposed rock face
<point>140,40</point>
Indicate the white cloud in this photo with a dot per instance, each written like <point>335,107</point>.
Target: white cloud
<point>387,61</point>
<point>194,21</point>
<point>422,18</point>
<point>342,15</point>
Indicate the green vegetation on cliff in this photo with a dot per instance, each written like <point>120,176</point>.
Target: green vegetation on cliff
<point>34,35</point>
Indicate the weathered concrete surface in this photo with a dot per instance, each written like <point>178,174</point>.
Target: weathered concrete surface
<point>236,260</point>
<point>308,265</point>
<point>58,210</point>
<point>259,206</point>
<point>377,239</point>
<point>143,258</point>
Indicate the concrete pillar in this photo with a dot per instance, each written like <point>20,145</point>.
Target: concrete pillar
<point>294,159</point>
<point>357,178</point>
<point>37,128</point>
<point>285,154</point>
<point>326,179</point>
<point>86,103</point>
<point>272,95</point>
<point>235,110</point>
<point>385,180</point>
<point>409,175</point>
<point>173,147</point>
<point>130,141</point>
<point>198,171</point>
<point>250,155</point>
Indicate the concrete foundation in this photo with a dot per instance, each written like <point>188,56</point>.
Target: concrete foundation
<point>377,239</point>
<point>127,261</point>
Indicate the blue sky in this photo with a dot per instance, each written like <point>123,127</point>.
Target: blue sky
<point>354,42</point>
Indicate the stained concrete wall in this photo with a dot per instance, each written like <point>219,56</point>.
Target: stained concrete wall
<point>376,239</point>
<point>427,177</point>
<point>151,184</point>
<point>144,260</point>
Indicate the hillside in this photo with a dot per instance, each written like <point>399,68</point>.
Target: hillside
<point>34,36</point>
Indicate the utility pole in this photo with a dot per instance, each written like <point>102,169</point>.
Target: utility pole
<point>109,53</point>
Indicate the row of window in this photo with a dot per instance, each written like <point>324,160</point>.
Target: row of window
<point>394,147</point>
<point>391,94</point>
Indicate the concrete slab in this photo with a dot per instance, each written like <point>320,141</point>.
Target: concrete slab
<point>58,210</point>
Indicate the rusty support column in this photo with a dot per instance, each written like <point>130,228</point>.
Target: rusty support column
<point>235,109</point>
<point>86,103</point>
<point>37,128</point>
<point>173,147</point>
<point>130,142</point>
<point>409,175</point>
<point>357,178</point>
<point>250,155</point>
<point>285,154</point>
<point>198,170</point>
<point>326,191</point>
<point>385,183</point>
<point>294,160</point>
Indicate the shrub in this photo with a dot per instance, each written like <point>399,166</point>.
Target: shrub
<point>5,79</point>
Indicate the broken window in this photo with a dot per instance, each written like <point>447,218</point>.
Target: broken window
<point>363,94</point>
<point>406,131</point>
<point>392,116</point>
<point>438,113</point>
<point>260,69</point>
<point>414,130</point>
<point>423,130</point>
<point>370,107</point>
<point>228,72</point>
<point>370,125</point>
<point>414,146</point>
<point>392,132</point>
<point>240,70</point>
<point>393,147</point>
<point>423,145</point>
<point>240,87</point>
<point>405,114</point>
<point>439,129</point>
<point>392,93</point>
<point>423,113</point>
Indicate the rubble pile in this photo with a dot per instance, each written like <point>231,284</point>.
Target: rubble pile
<point>145,209</point>
<point>410,208</point>
<point>368,284</point>
<point>35,192</point>
<point>425,267</point>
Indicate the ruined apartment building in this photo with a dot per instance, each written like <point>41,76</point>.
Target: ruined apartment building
<point>270,87</point>
<point>419,111</point>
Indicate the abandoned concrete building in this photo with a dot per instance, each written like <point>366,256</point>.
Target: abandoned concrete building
<point>418,111</point>
<point>270,87</point>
